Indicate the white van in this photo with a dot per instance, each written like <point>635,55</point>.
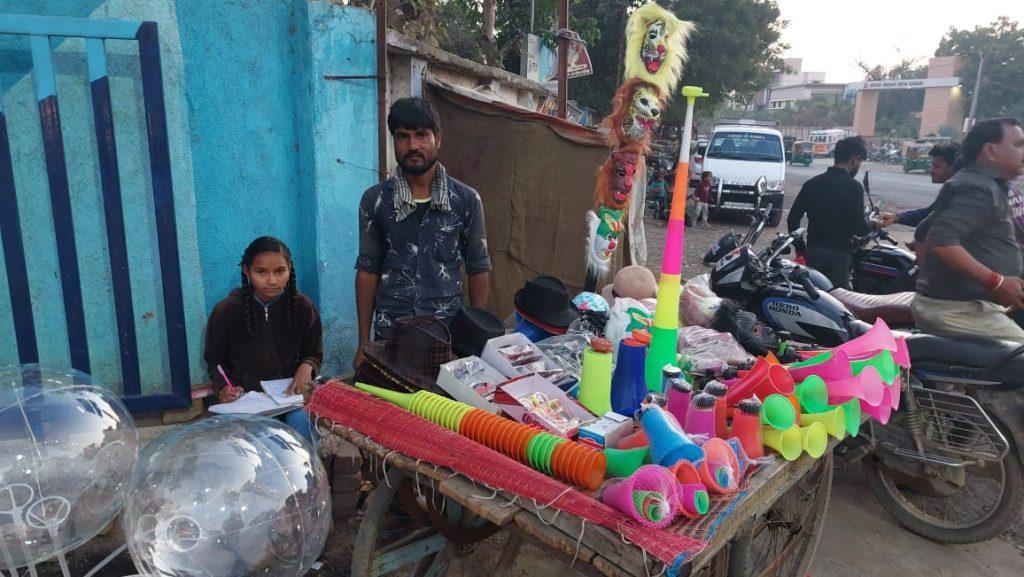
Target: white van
<point>738,154</point>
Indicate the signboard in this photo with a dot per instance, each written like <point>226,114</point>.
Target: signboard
<point>909,84</point>
<point>578,62</point>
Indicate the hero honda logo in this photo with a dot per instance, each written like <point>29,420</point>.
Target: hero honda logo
<point>784,308</point>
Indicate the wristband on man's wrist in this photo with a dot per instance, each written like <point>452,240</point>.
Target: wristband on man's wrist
<point>994,281</point>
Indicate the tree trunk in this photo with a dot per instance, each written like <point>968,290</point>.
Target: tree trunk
<point>490,9</point>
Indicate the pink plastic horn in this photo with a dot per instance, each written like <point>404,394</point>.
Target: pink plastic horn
<point>877,338</point>
<point>882,412</point>
<point>836,368</point>
<point>867,386</point>
<point>893,393</point>
<point>902,354</point>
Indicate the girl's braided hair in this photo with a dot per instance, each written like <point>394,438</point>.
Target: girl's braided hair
<point>256,247</point>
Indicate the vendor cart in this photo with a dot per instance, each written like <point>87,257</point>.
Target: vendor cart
<point>422,517</point>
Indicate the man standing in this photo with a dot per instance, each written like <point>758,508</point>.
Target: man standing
<point>970,276</point>
<point>417,230</point>
<point>834,204</point>
<point>945,163</point>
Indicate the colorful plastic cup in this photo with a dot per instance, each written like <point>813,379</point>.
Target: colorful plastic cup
<point>813,394</point>
<point>777,412</point>
<point>815,439</point>
<point>788,443</point>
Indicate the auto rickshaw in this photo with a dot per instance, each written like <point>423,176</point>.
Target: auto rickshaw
<point>803,153</point>
<point>916,158</point>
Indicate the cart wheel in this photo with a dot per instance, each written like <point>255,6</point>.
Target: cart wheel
<point>782,540</point>
<point>410,532</point>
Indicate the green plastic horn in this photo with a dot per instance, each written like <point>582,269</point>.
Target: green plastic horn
<point>778,413</point>
<point>852,408</point>
<point>815,360</point>
<point>403,400</point>
<point>883,363</point>
<point>625,462</point>
<point>813,394</point>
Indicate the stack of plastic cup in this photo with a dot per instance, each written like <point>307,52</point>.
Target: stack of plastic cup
<point>578,464</point>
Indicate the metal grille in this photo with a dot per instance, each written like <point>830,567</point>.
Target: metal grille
<point>955,424</point>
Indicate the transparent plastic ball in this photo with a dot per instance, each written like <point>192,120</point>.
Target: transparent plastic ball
<point>67,447</point>
<point>228,496</point>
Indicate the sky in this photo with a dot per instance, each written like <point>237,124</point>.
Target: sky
<point>832,36</point>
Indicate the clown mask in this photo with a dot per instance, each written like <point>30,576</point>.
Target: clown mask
<point>653,52</point>
<point>624,166</point>
<point>644,113</point>
<point>608,231</point>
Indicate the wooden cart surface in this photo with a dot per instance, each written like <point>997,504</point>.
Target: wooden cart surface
<point>421,517</point>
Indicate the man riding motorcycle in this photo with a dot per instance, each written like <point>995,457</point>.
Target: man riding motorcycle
<point>971,271</point>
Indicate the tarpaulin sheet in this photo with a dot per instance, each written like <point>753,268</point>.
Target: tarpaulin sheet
<point>536,176</point>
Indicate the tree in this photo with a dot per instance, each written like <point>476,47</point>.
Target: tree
<point>1002,42</point>
<point>737,48</point>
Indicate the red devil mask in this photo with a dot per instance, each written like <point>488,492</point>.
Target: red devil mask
<point>624,165</point>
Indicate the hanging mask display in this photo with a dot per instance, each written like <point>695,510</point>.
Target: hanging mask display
<point>655,50</point>
<point>656,46</point>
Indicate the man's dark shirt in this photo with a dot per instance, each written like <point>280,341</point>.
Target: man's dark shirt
<point>973,211</point>
<point>834,205</point>
<point>419,257</point>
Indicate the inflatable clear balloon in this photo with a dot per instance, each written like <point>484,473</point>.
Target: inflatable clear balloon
<point>67,447</point>
<point>228,496</point>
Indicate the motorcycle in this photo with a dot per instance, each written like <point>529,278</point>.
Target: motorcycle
<point>880,266</point>
<point>949,465</point>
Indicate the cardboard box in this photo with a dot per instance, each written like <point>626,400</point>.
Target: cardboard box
<point>498,361</point>
<point>606,432</point>
<point>472,381</point>
<point>511,394</point>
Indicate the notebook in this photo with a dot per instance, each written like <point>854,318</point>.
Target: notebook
<point>276,390</point>
<point>252,403</point>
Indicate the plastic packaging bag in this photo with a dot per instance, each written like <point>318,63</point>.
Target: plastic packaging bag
<point>566,351</point>
<point>626,316</point>
<point>698,303</point>
<point>708,349</point>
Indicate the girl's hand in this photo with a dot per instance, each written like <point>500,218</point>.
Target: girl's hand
<point>302,377</point>
<point>229,394</point>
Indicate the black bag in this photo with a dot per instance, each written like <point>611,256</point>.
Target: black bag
<point>756,337</point>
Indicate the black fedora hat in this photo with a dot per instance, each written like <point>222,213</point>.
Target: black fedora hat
<point>411,357</point>
<point>471,328</point>
<point>546,299</point>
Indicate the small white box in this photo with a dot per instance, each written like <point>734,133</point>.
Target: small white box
<point>492,357</point>
<point>473,387</point>
<point>606,431</point>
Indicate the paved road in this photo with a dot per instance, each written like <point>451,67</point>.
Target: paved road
<point>889,184</point>
<point>860,538</point>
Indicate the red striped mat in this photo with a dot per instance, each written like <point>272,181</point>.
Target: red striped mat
<point>406,433</point>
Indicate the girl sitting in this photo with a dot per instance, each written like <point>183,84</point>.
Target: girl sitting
<point>265,330</point>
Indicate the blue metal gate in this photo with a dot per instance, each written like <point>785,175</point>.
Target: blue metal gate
<point>95,32</point>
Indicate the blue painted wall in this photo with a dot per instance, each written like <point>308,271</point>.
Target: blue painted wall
<point>256,135</point>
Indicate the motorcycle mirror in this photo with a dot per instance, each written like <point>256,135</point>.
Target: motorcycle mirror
<point>867,187</point>
<point>761,185</point>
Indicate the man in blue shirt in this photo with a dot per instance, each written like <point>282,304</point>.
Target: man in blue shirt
<point>417,230</point>
<point>945,163</point>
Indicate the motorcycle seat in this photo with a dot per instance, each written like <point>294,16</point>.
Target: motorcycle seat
<point>894,308</point>
<point>977,358</point>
